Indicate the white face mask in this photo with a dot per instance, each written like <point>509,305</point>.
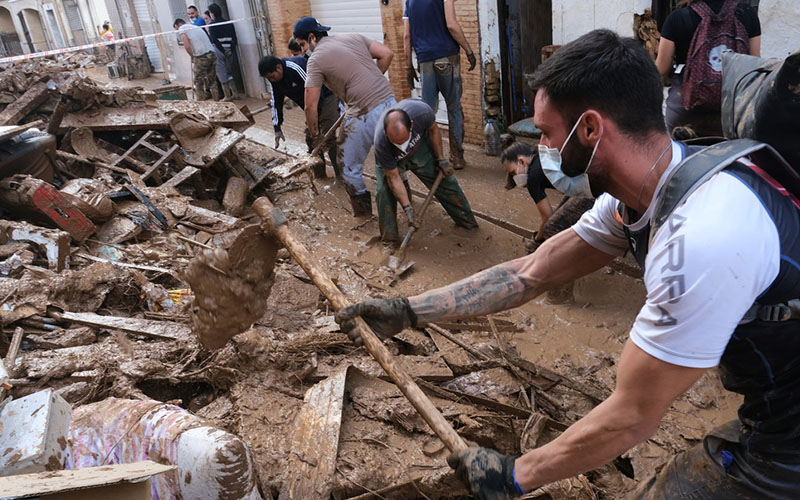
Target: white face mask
<point>551,166</point>
<point>403,147</point>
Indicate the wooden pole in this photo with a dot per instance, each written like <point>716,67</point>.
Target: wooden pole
<point>276,222</point>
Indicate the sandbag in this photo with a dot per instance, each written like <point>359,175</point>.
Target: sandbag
<point>761,101</point>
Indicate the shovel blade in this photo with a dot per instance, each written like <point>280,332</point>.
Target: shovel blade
<point>402,269</point>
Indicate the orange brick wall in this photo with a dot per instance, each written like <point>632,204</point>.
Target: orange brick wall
<point>472,98</point>
<point>282,15</point>
<point>392,17</point>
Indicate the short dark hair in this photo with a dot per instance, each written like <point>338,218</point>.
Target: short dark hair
<point>267,64</point>
<point>178,22</point>
<point>294,46</point>
<point>516,150</point>
<point>609,73</point>
<point>191,7</point>
<point>216,10</point>
<point>404,118</point>
<point>317,35</point>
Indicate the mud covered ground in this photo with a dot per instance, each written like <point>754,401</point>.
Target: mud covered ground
<point>255,385</point>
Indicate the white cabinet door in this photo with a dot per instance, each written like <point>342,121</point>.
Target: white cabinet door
<point>350,16</point>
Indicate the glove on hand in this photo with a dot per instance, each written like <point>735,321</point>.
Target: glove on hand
<point>411,76</point>
<point>278,138</point>
<point>472,60</point>
<point>409,211</point>
<point>228,53</point>
<point>317,141</point>
<point>386,317</point>
<point>487,474</point>
<point>445,167</point>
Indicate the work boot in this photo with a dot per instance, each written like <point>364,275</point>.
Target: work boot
<point>228,91</point>
<point>362,204</point>
<point>457,160</point>
<point>334,163</point>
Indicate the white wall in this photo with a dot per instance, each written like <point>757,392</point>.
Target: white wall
<point>573,18</point>
<point>248,48</point>
<point>780,27</point>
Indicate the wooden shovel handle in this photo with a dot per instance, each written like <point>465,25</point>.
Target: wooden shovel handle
<point>372,343</point>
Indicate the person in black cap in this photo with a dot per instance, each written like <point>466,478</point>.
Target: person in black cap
<point>352,66</point>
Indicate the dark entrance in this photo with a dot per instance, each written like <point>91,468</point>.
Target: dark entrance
<point>525,27</point>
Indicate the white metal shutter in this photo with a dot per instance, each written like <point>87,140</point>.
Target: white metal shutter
<point>146,24</point>
<point>75,22</point>
<point>350,16</point>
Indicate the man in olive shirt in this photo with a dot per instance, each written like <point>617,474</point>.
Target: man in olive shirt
<point>352,66</point>
<point>407,138</point>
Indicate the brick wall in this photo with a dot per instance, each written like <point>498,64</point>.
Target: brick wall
<point>392,17</point>
<point>472,98</point>
<point>282,15</point>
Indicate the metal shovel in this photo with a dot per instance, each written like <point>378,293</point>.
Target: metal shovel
<point>396,261</point>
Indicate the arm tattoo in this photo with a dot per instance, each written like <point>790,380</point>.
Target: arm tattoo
<point>496,289</point>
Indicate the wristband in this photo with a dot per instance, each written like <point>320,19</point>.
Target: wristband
<point>516,484</point>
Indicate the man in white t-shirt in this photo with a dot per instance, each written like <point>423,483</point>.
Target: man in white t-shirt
<point>720,271</point>
<point>198,45</point>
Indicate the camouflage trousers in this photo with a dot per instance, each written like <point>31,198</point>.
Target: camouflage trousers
<point>205,76</point>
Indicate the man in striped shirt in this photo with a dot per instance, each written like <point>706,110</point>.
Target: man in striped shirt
<point>288,78</point>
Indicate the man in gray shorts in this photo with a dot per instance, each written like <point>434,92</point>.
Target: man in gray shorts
<point>352,66</point>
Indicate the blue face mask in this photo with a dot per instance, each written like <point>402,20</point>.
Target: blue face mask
<point>551,166</point>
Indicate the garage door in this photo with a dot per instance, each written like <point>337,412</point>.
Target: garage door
<point>146,23</point>
<point>350,16</point>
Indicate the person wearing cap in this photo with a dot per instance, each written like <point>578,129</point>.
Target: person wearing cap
<point>431,28</point>
<point>407,138</point>
<point>199,47</point>
<point>352,66</point>
<point>287,76</point>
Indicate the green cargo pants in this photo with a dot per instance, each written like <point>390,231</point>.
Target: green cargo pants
<point>449,193</point>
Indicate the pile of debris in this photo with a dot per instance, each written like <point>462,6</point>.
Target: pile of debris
<point>101,216</point>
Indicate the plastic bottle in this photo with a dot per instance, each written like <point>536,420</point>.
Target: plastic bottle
<point>491,138</point>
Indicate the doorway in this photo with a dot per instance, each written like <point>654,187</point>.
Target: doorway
<point>525,27</point>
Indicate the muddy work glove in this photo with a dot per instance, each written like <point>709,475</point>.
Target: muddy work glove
<point>445,167</point>
<point>278,138</point>
<point>317,141</point>
<point>409,211</point>
<point>386,317</point>
<point>487,474</point>
<point>472,60</point>
<point>411,76</point>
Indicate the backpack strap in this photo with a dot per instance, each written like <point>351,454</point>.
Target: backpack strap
<point>695,170</point>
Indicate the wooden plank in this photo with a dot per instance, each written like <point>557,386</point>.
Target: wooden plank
<point>315,441</point>
<point>27,102</point>
<point>181,176</point>
<point>454,355</point>
<point>44,483</point>
<point>225,114</point>
<point>429,368</point>
<point>145,327</point>
<point>9,131</point>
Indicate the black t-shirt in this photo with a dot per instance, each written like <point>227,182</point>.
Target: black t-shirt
<point>682,23</point>
<point>537,181</point>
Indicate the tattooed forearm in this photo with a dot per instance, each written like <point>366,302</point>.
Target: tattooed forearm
<point>495,289</point>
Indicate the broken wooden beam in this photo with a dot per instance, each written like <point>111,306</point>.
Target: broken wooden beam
<point>225,114</point>
<point>9,131</point>
<point>422,367</point>
<point>27,102</point>
<point>180,177</point>
<point>315,441</point>
<point>69,156</point>
<point>144,327</point>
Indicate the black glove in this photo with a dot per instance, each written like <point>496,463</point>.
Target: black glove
<point>487,474</point>
<point>386,317</point>
<point>445,167</point>
<point>317,141</point>
<point>411,76</point>
<point>409,211</point>
<point>229,53</point>
<point>472,60</point>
